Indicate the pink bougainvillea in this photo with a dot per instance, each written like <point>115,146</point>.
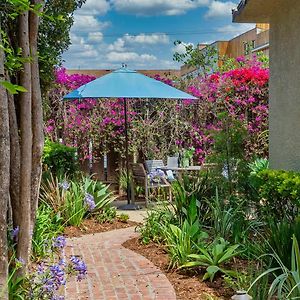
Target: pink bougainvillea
<point>158,127</point>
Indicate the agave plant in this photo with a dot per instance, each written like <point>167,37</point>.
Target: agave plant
<point>213,258</point>
<point>286,285</point>
<point>258,165</point>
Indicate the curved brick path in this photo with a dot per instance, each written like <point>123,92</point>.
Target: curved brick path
<point>115,272</point>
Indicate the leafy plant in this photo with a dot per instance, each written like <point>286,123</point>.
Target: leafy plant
<point>153,229</point>
<point>123,218</point>
<point>75,208</point>
<point>189,194</point>
<point>279,193</point>
<point>53,192</point>
<point>100,192</point>
<point>181,241</point>
<point>258,165</point>
<point>107,215</point>
<point>286,285</point>
<point>213,258</point>
<point>278,234</point>
<point>59,159</point>
<point>47,226</point>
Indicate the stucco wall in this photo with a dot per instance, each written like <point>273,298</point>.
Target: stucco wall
<point>285,87</point>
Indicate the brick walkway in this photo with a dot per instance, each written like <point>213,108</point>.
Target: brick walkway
<point>114,272</point>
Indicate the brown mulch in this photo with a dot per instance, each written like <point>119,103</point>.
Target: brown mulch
<point>187,284</point>
<point>91,226</point>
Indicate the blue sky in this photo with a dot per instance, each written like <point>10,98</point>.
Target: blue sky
<point>141,33</point>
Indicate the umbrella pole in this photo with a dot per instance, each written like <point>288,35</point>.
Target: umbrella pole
<point>127,152</point>
<point>130,205</point>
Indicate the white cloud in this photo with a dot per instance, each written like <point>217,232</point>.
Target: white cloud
<point>118,46</point>
<point>157,7</point>
<point>155,38</point>
<point>181,48</point>
<point>85,23</point>
<point>94,7</point>
<point>95,37</point>
<point>220,9</point>
<point>129,57</point>
<point>235,29</point>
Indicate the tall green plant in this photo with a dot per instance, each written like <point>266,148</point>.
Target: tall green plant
<point>286,284</point>
<point>181,241</point>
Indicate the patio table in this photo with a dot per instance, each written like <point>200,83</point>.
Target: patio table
<point>181,170</point>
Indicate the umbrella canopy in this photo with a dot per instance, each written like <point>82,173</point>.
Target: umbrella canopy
<point>125,83</point>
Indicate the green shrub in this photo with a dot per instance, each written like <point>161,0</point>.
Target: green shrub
<point>47,226</point>
<point>153,229</point>
<point>75,207</point>
<point>123,218</point>
<point>59,159</point>
<point>286,284</point>
<point>279,194</point>
<point>107,215</point>
<point>279,239</point>
<point>213,257</point>
<point>181,241</point>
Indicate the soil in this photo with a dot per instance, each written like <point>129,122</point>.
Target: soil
<point>187,284</point>
<point>91,226</point>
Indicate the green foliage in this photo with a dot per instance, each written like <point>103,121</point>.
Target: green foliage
<point>181,241</point>
<point>260,164</point>
<point>279,193</point>
<point>59,159</point>
<point>52,194</point>
<point>123,218</point>
<point>107,215</point>
<point>203,60</point>
<point>153,229</point>
<point>100,192</point>
<point>213,258</point>
<point>286,285</point>
<point>48,225</point>
<point>279,235</point>
<point>189,195</point>
<point>75,208</point>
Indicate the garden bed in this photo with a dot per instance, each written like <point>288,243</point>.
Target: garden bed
<point>187,284</point>
<point>91,226</point>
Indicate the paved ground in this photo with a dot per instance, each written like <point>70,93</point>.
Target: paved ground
<point>115,272</point>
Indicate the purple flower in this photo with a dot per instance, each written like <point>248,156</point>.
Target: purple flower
<point>89,201</point>
<point>14,233</point>
<point>79,266</point>
<point>64,185</point>
<point>20,262</point>
<point>59,242</point>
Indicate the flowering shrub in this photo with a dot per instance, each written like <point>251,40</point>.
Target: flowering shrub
<point>237,96</point>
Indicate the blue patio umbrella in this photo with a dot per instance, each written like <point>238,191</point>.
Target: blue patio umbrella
<point>127,84</point>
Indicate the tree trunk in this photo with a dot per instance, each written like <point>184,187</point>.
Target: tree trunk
<point>4,178</point>
<point>24,243</point>
<point>14,161</point>
<point>37,114</point>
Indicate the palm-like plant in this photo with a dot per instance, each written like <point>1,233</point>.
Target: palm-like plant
<point>213,258</point>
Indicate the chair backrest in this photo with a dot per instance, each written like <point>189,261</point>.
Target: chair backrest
<point>152,165</point>
<point>173,161</point>
<point>138,172</point>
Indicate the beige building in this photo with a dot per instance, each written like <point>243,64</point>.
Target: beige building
<point>284,19</point>
<point>170,73</point>
<point>246,44</point>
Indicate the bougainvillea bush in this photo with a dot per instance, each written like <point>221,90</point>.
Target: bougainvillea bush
<point>232,111</point>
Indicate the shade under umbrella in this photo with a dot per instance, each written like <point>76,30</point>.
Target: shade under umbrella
<point>125,83</point>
